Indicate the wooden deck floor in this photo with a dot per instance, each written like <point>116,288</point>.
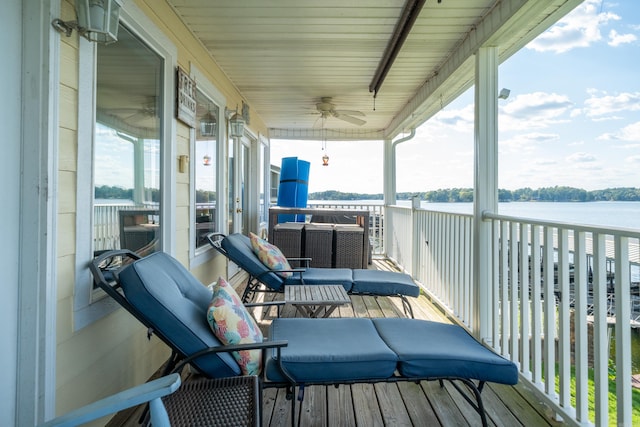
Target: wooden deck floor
<point>389,404</point>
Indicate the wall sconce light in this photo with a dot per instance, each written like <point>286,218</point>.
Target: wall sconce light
<point>325,160</point>
<point>237,125</point>
<point>97,20</point>
<point>183,162</point>
<point>208,125</point>
<point>504,93</point>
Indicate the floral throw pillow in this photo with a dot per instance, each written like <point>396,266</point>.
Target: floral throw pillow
<point>231,323</point>
<point>270,255</point>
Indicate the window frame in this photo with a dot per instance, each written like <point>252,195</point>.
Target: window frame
<point>89,304</point>
<point>198,256</point>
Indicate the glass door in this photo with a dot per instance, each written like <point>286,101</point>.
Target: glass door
<point>239,178</point>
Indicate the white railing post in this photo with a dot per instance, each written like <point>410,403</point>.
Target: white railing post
<point>623,331</point>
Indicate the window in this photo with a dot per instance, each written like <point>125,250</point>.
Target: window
<point>125,122</point>
<point>206,167</point>
<point>126,163</point>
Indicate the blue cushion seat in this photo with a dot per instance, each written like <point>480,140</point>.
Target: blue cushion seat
<point>323,276</point>
<point>384,283</point>
<point>332,350</point>
<point>431,350</point>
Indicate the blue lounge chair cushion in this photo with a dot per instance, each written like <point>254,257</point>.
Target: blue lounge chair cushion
<point>445,351</point>
<point>383,283</point>
<point>238,246</point>
<point>332,349</point>
<point>176,304</point>
<point>323,276</point>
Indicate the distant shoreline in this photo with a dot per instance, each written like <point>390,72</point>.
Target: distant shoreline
<point>465,195</point>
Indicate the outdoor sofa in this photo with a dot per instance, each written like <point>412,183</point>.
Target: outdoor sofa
<point>297,352</point>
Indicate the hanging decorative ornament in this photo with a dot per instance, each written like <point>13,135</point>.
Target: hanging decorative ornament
<point>325,157</point>
<point>325,160</point>
<point>206,160</point>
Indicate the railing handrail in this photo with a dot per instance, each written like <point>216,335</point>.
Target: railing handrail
<point>587,228</point>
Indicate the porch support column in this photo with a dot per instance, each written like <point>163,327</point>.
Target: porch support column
<point>388,183</point>
<point>485,185</point>
<point>389,172</point>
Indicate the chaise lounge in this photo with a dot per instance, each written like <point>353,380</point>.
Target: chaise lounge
<point>238,248</point>
<point>166,298</point>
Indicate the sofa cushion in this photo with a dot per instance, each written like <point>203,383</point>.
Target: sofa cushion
<point>232,324</point>
<point>433,350</point>
<point>239,250</point>
<point>377,282</point>
<point>171,300</point>
<point>270,255</point>
<point>331,349</point>
<point>323,276</point>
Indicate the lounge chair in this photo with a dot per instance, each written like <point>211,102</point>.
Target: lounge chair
<point>237,247</point>
<point>201,402</point>
<point>166,298</point>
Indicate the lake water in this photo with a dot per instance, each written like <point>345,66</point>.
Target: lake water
<point>602,214</point>
<point>607,214</point>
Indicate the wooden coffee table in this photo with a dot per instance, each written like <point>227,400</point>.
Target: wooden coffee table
<point>313,300</point>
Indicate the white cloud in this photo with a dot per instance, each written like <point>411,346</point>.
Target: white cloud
<point>605,105</point>
<point>581,157</point>
<point>616,39</point>
<point>580,28</point>
<point>535,110</point>
<point>528,141</point>
<point>628,133</point>
<point>633,159</point>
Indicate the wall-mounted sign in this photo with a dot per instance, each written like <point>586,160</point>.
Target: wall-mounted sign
<point>186,98</point>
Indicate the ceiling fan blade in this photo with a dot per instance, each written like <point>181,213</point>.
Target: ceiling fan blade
<point>349,119</point>
<point>351,112</point>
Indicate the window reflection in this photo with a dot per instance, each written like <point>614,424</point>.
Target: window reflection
<point>206,166</point>
<point>126,164</point>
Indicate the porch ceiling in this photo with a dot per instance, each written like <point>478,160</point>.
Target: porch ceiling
<point>284,56</point>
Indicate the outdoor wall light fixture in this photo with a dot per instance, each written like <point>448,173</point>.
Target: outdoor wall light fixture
<point>97,20</point>
<point>504,93</point>
<point>236,122</point>
<point>208,125</point>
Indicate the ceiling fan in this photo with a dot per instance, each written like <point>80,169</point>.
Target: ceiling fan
<point>327,109</point>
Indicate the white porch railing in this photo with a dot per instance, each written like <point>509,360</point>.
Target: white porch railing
<point>106,223</point>
<point>589,293</point>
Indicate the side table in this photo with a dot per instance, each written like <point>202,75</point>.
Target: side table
<point>313,300</point>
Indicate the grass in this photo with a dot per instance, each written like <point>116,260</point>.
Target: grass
<point>635,397</point>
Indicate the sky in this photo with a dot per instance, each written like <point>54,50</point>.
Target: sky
<point>572,118</point>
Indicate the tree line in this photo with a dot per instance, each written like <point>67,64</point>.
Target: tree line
<point>119,193</point>
<point>546,194</point>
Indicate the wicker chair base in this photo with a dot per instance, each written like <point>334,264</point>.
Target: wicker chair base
<point>221,402</point>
